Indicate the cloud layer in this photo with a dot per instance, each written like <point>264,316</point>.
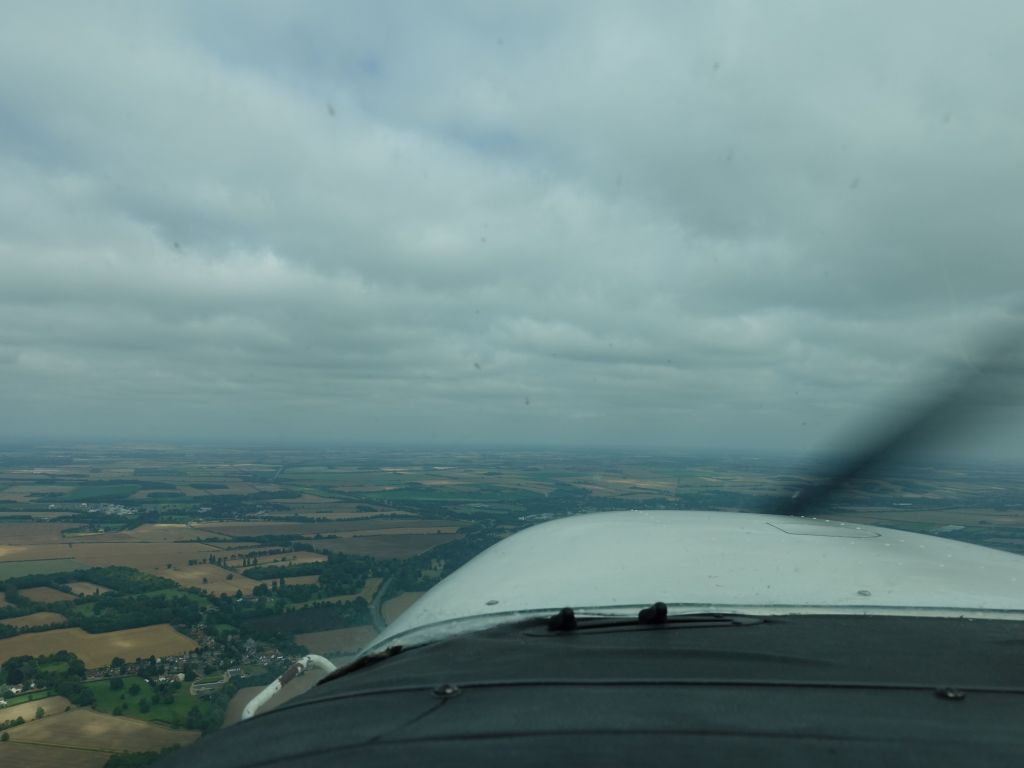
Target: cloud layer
<point>719,225</point>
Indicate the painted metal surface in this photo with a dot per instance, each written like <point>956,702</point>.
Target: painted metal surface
<point>714,561</point>
<point>296,669</point>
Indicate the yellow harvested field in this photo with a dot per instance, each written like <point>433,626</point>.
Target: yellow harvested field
<point>98,650</point>
<point>15,534</point>
<point>45,595</point>
<point>216,582</point>
<point>40,619</point>
<point>85,729</point>
<point>41,756</point>
<point>144,556</point>
<point>86,588</point>
<point>51,706</point>
<point>337,641</point>
<point>396,606</point>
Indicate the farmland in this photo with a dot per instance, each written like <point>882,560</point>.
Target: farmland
<point>134,698</point>
<point>86,588</point>
<point>396,606</point>
<point>97,650</point>
<point>50,705</point>
<point>84,729</point>
<point>41,619</point>
<point>46,595</point>
<point>16,568</point>
<point>210,578</point>
<point>214,559</point>
<point>336,642</point>
<point>388,546</point>
<point>43,756</point>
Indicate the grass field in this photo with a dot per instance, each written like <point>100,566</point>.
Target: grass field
<point>25,698</point>
<point>51,706</point>
<point>337,641</point>
<point>107,700</point>
<point>46,595</point>
<point>40,619</point>
<point>98,650</point>
<point>16,568</point>
<point>84,729</point>
<point>86,588</point>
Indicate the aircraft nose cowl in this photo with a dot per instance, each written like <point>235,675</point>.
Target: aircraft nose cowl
<point>723,561</point>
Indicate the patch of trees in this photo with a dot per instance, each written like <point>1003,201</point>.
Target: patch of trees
<point>4,725</point>
<point>346,574</point>
<point>119,578</point>
<point>110,611</point>
<point>124,580</point>
<point>277,571</point>
<point>62,672</point>
<point>136,759</point>
<point>408,574</point>
<point>313,619</point>
<point>8,631</point>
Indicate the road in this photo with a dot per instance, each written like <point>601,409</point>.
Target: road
<point>376,615</point>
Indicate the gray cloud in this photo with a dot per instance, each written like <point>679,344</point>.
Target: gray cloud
<point>723,225</point>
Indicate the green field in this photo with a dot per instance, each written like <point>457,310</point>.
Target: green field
<point>175,593</point>
<point>27,697</point>
<point>173,714</point>
<point>16,568</point>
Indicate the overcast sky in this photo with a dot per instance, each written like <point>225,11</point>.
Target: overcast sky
<point>720,224</point>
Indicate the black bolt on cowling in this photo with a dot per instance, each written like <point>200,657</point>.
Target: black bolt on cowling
<point>655,614</point>
<point>563,621</point>
<point>447,690</point>
<point>950,694</point>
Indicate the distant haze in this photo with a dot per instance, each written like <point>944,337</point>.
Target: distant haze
<point>722,224</point>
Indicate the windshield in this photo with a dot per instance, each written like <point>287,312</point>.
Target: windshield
<point>305,305</point>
